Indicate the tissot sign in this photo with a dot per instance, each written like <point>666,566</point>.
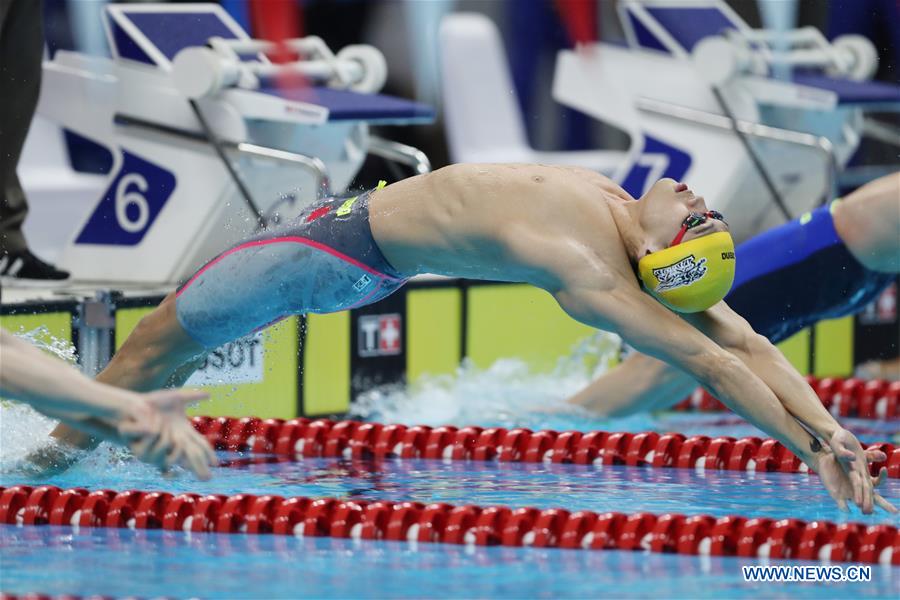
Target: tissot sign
<point>240,361</point>
<point>379,335</point>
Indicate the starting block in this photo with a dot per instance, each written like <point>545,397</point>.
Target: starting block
<point>209,139</point>
<point>759,122</point>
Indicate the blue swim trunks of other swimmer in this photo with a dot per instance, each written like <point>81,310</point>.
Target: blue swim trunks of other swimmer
<point>798,274</point>
<point>325,260</point>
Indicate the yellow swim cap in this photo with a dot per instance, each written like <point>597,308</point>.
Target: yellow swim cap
<point>691,276</point>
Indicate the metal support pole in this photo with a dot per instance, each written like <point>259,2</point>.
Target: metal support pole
<point>96,325</point>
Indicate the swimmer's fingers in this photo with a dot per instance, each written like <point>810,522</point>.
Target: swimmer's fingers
<point>885,505</point>
<point>879,499</point>
<point>880,478</point>
<point>874,455</point>
<point>141,447</point>
<point>196,460</point>
<point>175,401</point>
<point>862,491</point>
<point>175,456</point>
<point>132,430</point>
<point>158,452</point>
<point>196,453</point>
<point>186,398</point>
<point>835,479</point>
<point>868,488</point>
<point>209,453</point>
<point>205,451</point>
<point>840,500</point>
<point>846,455</point>
<point>846,447</point>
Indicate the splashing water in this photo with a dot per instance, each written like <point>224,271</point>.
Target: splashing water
<point>506,394</point>
<point>24,430</point>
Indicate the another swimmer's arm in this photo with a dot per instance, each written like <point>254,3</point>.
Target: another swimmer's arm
<point>654,330</point>
<point>56,389</point>
<point>638,383</point>
<point>153,425</point>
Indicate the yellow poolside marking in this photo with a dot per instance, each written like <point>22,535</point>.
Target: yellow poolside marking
<point>433,336</point>
<point>326,364</point>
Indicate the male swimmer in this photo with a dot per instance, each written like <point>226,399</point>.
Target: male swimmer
<point>827,264</point>
<point>609,261</point>
<point>152,425</point>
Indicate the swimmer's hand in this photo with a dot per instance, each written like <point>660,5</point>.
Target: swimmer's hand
<point>159,433</point>
<point>849,452</point>
<point>845,484</point>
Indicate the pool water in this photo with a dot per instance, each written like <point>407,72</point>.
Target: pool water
<point>158,563</point>
<point>116,562</point>
<point>55,560</point>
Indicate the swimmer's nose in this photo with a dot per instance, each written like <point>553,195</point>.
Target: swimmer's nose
<point>680,187</point>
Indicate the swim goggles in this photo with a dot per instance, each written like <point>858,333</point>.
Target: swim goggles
<point>695,220</point>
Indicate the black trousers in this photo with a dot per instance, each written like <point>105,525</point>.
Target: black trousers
<point>21,53</point>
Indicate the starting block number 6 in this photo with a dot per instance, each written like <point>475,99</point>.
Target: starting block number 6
<point>125,198</point>
<point>130,205</point>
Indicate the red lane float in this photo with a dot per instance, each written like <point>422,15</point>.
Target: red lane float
<point>301,438</point>
<point>470,525</point>
<point>875,399</point>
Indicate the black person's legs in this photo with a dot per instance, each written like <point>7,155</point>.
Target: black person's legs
<point>21,51</point>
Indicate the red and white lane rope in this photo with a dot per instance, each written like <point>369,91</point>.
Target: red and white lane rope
<point>439,522</point>
<point>875,399</point>
<point>303,437</point>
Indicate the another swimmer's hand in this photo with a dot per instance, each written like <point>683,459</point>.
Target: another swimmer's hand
<point>837,480</point>
<point>158,432</point>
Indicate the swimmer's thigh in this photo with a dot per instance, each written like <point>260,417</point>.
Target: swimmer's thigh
<point>261,282</point>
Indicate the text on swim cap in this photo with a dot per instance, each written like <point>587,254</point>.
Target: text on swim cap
<point>685,272</point>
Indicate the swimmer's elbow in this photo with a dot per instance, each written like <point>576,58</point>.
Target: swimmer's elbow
<point>759,344</point>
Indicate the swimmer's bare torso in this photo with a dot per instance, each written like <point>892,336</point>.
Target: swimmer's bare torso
<point>538,224</point>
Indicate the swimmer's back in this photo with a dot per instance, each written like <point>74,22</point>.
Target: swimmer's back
<point>470,219</point>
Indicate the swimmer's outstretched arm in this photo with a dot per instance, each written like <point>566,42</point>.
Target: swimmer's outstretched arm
<point>153,425</point>
<point>733,333</point>
<point>637,384</point>
<point>656,331</point>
